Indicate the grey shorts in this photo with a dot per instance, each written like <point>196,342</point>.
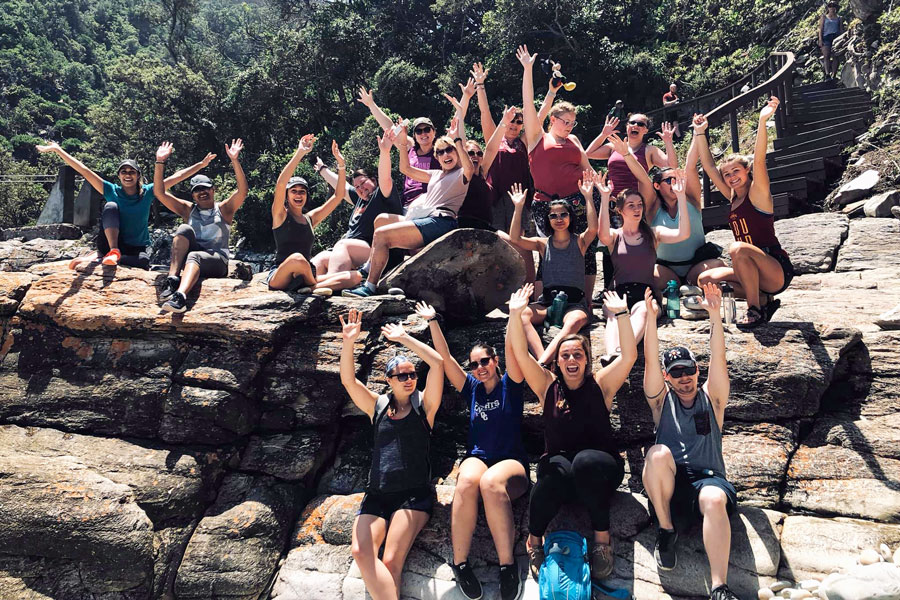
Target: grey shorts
<point>209,262</point>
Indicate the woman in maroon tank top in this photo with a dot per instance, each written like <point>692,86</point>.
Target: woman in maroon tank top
<point>760,267</point>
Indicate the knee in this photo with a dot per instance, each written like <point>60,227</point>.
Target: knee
<point>361,552</point>
<point>492,487</point>
<point>296,260</point>
<point>738,251</point>
<point>467,486</point>
<point>110,207</point>
<point>713,501</point>
<point>382,219</point>
<point>184,231</point>
<point>659,457</point>
<point>393,563</point>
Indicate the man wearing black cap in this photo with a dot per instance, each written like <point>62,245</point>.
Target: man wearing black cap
<point>684,472</point>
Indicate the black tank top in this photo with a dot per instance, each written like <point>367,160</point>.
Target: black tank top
<point>576,420</point>
<point>291,237</point>
<point>400,452</point>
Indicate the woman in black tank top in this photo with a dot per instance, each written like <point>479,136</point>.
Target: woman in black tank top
<point>398,496</point>
<point>580,460</point>
<point>293,229</point>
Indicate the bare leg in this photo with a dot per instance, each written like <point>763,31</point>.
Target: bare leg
<point>659,481</point>
<point>716,532</point>
<point>533,315</point>
<point>756,270</point>
<point>347,255</point>
<point>189,277</point>
<point>320,262</point>
<point>706,265</point>
<point>662,275</point>
<point>180,247</point>
<point>464,512</point>
<point>500,485</point>
<point>405,526</point>
<point>293,266</point>
<point>368,533</point>
<point>396,235</point>
<point>342,280</point>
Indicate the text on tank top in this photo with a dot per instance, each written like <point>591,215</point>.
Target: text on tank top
<point>684,250</point>
<point>412,189</point>
<point>555,168</point>
<point>692,434</point>
<point>619,175</point>
<point>400,450</point>
<point>752,226</point>
<point>580,423</point>
<point>292,237</point>
<point>210,229</point>
<point>563,266</point>
<point>632,264</point>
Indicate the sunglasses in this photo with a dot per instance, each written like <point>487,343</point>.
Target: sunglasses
<point>421,130</point>
<point>518,121</point>
<point>475,153</point>
<point>481,362</point>
<point>444,151</point>
<point>401,377</point>
<point>638,123</point>
<point>668,180</point>
<point>558,216</point>
<point>679,372</point>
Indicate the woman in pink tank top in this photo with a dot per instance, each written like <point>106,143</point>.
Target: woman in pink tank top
<point>620,176</point>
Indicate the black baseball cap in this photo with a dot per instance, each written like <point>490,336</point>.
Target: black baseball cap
<point>295,181</point>
<point>679,356</point>
<point>129,163</point>
<point>200,181</point>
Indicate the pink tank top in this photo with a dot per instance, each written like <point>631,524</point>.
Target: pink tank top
<point>620,176</point>
<point>555,168</point>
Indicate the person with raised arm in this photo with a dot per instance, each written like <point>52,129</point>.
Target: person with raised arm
<point>495,466</point>
<point>682,261</point>
<point>580,458</point>
<point>632,250</point>
<point>761,269</point>
<point>200,245</point>
<point>557,163</point>
<point>419,148</point>
<point>124,234</point>
<point>399,496</point>
<point>684,471</point>
<point>430,216</point>
<point>294,230</point>
<point>562,258</point>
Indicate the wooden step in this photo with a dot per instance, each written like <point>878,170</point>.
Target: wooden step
<point>837,93</point>
<point>797,186</point>
<point>797,128</point>
<point>811,169</point>
<point>829,105</point>
<point>819,115</point>
<point>831,154</point>
<point>856,125</point>
<point>828,84</point>
<point>840,139</point>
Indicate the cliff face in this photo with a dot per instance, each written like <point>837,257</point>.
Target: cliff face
<point>215,454</point>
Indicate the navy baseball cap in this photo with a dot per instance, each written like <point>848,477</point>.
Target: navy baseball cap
<point>679,356</point>
<point>129,163</point>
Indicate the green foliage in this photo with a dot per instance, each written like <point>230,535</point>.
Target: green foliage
<point>21,202</point>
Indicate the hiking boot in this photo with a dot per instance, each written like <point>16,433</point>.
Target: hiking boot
<point>395,291</point>
<point>510,582</point>
<point>360,291</point>
<point>722,593</point>
<point>665,555</point>
<point>466,581</point>
<point>176,304</point>
<point>169,287</point>
<point>535,560</point>
<point>601,561</point>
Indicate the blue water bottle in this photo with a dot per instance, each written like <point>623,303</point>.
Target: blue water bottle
<point>558,309</point>
<point>673,300</point>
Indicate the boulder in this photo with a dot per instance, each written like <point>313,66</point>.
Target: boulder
<point>880,205</point>
<point>866,10</point>
<point>855,189</point>
<point>464,274</point>
<point>55,231</point>
<point>16,255</point>
<point>869,582</point>
<point>12,289</point>
<point>869,245</point>
<point>889,319</point>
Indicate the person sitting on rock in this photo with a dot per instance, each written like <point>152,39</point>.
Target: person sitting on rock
<point>580,459</point>
<point>431,215</point>
<point>200,245</point>
<point>124,236</point>
<point>495,466</point>
<point>682,261</point>
<point>761,268</point>
<point>562,264</point>
<point>294,230</point>
<point>398,498</point>
<point>684,471</point>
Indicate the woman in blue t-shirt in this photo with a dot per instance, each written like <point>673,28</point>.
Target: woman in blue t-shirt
<point>124,235</point>
<point>495,466</point>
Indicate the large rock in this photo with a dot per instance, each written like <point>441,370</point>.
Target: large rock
<point>889,319</point>
<point>880,205</point>
<point>866,10</point>
<point>12,289</point>
<point>55,231</point>
<point>464,274</point>
<point>869,245</point>
<point>16,255</point>
<point>855,189</point>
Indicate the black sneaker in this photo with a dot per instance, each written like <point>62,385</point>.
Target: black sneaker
<point>722,593</point>
<point>665,555</point>
<point>510,582</point>
<point>169,287</point>
<point>176,304</point>
<point>466,581</point>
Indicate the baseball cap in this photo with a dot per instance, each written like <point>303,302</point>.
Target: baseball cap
<point>423,121</point>
<point>129,163</point>
<point>294,181</point>
<point>619,102</point>
<point>679,356</point>
<point>200,181</point>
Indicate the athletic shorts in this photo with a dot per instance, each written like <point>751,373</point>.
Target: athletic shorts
<point>828,39</point>
<point>575,297</point>
<point>786,267</point>
<point>685,499</point>
<point>490,462</point>
<point>385,504</point>
<point>473,223</point>
<point>432,228</point>
<point>708,251</point>
<point>634,293</point>
<point>296,283</point>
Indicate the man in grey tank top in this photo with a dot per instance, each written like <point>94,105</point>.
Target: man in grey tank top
<point>684,472</point>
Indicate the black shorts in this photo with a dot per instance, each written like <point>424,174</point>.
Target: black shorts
<point>634,293</point>
<point>575,297</point>
<point>786,267</point>
<point>473,223</point>
<point>385,504</point>
<point>708,251</point>
<point>490,462</point>
<point>685,499</point>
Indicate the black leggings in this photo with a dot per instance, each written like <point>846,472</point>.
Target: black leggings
<point>132,256</point>
<point>590,477</point>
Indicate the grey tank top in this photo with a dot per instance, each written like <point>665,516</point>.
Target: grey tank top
<point>563,266</point>
<point>400,451</point>
<point>211,229</point>
<point>692,434</point>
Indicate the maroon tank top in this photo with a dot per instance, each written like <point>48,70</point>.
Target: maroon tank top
<point>619,175</point>
<point>632,264</point>
<point>510,166</point>
<point>555,168</point>
<point>576,420</point>
<point>477,204</point>
<point>753,226</point>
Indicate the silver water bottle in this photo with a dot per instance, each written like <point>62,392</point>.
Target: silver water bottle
<point>728,307</point>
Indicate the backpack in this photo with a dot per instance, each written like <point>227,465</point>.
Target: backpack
<point>566,571</point>
<point>384,400</point>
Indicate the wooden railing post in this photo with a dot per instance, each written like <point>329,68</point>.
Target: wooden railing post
<point>735,134</point>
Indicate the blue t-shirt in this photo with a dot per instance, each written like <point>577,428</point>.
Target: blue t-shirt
<point>495,419</point>
<point>134,212</point>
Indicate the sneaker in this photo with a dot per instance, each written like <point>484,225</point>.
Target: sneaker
<point>601,561</point>
<point>535,560</point>
<point>722,593</point>
<point>466,581</point>
<point>112,257</point>
<point>176,304</point>
<point>510,582</point>
<point>324,292</point>
<point>360,291</point>
<point>666,557</point>
<point>169,287</point>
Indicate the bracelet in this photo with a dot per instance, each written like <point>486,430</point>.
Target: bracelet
<point>160,162</point>
<point>434,318</point>
<point>456,140</point>
<point>319,170</point>
<point>344,168</point>
<point>479,84</point>
<point>624,312</point>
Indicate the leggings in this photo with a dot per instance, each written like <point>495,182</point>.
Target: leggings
<point>132,256</point>
<point>209,262</point>
<point>590,477</point>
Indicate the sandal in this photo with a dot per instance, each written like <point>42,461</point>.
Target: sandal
<point>112,257</point>
<point>535,559</point>
<point>753,319</point>
<point>771,307</point>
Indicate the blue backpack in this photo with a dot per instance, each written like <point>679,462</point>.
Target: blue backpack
<point>566,571</point>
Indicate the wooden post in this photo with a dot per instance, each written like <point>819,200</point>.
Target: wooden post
<point>735,137</point>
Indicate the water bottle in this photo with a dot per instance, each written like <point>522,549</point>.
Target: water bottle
<point>728,307</point>
<point>673,300</point>
<point>558,309</point>
<point>399,126</point>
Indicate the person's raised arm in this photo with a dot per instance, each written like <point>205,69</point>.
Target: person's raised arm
<point>434,383</point>
<point>547,104</point>
<point>518,195</point>
<point>760,194</point>
<point>279,212</point>
<point>700,125</point>
<point>366,98</point>
<point>362,397</point>
<point>669,158</point>
<point>692,186</point>
<point>178,206</point>
<point>537,377</point>
<point>330,178</point>
<point>533,129</point>
<point>452,369</point>
<point>604,234</point>
<point>92,178</point>
<point>493,144</point>
<point>457,131</point>
<point>385,181</point>
<point>717,384</point>
<point>586,187</point>
<point>654,381</point>
<point>513,370</point>
<point>667,235</point>
<point>234,202</point>
<point>179,176</point>
<point>319,214</point>
<point>598,149</point>
<point>611,377</point>
<point>479,74</point>
<point>401,140</point>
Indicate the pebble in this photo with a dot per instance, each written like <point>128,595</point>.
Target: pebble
<point>765,594</point>
<point>786,592</point>
<point>885,552</point>
<point>810,584</point>
<point>779,585</point>
<point>869,556</point>
<point>800,594</point>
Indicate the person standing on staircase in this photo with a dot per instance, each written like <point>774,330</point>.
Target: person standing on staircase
<point>760,266</point>
<point>830,26</point>
<point>684,471</point>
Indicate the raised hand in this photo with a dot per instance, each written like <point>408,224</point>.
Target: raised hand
<point>509,113</point>
<point>393,331</point>
<point>586,183</point>
<point>306,143</point>
<point>164,151</point>
<point>609,127</point>
<point>769,109</point>
<point>517,194</point>
<point>712,298</point>
<point>453,132</point>
<point>679,185</point>
<point>602,185</point>
<point>453,101</point>
<point>365,97</point>
<point>468,90</point>
<point>234,149</point>
<point>699,124</point>
<point>320,164</point>
<point>667,132</point>
<point>336,152</point>
<point>619,145</point>
<point>386,140</point>
<point>352,327</point>
<point>613,302</point>
<point>426,311</point>
<point>520,298</point>
<point>479,73</point>
<point>524,57</point>
<point>208,159</point>
<point>552,89</point>
<point>399,134</point>
<point>48,147</point>
<point>652,305</point>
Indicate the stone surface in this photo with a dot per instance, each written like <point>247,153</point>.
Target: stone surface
<point>465,274</point>
<point>873,582</point>
<point>880,205</point>
<point>12,289</point>
<point>889,319</point>
<point>16,255</point>
<point>869,245</point>
<point>866,10</point>
<point>855,189</point>
<point>56,231</point>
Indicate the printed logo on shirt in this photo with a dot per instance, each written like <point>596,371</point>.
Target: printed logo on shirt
<point>481,410</point>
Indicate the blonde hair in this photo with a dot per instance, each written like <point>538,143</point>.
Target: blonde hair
<point>561,108</point>
<point>444,141</point>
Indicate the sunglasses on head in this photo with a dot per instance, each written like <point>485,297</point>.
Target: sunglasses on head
<point>401,377</point>
<point>481,362</point>
<point>558,216</point>
<point>668,180</point>
<point>638,123</point>
<point>444,151</point>
<point>426,129</point>
<point>679,372</point>
<point>475,153</point>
